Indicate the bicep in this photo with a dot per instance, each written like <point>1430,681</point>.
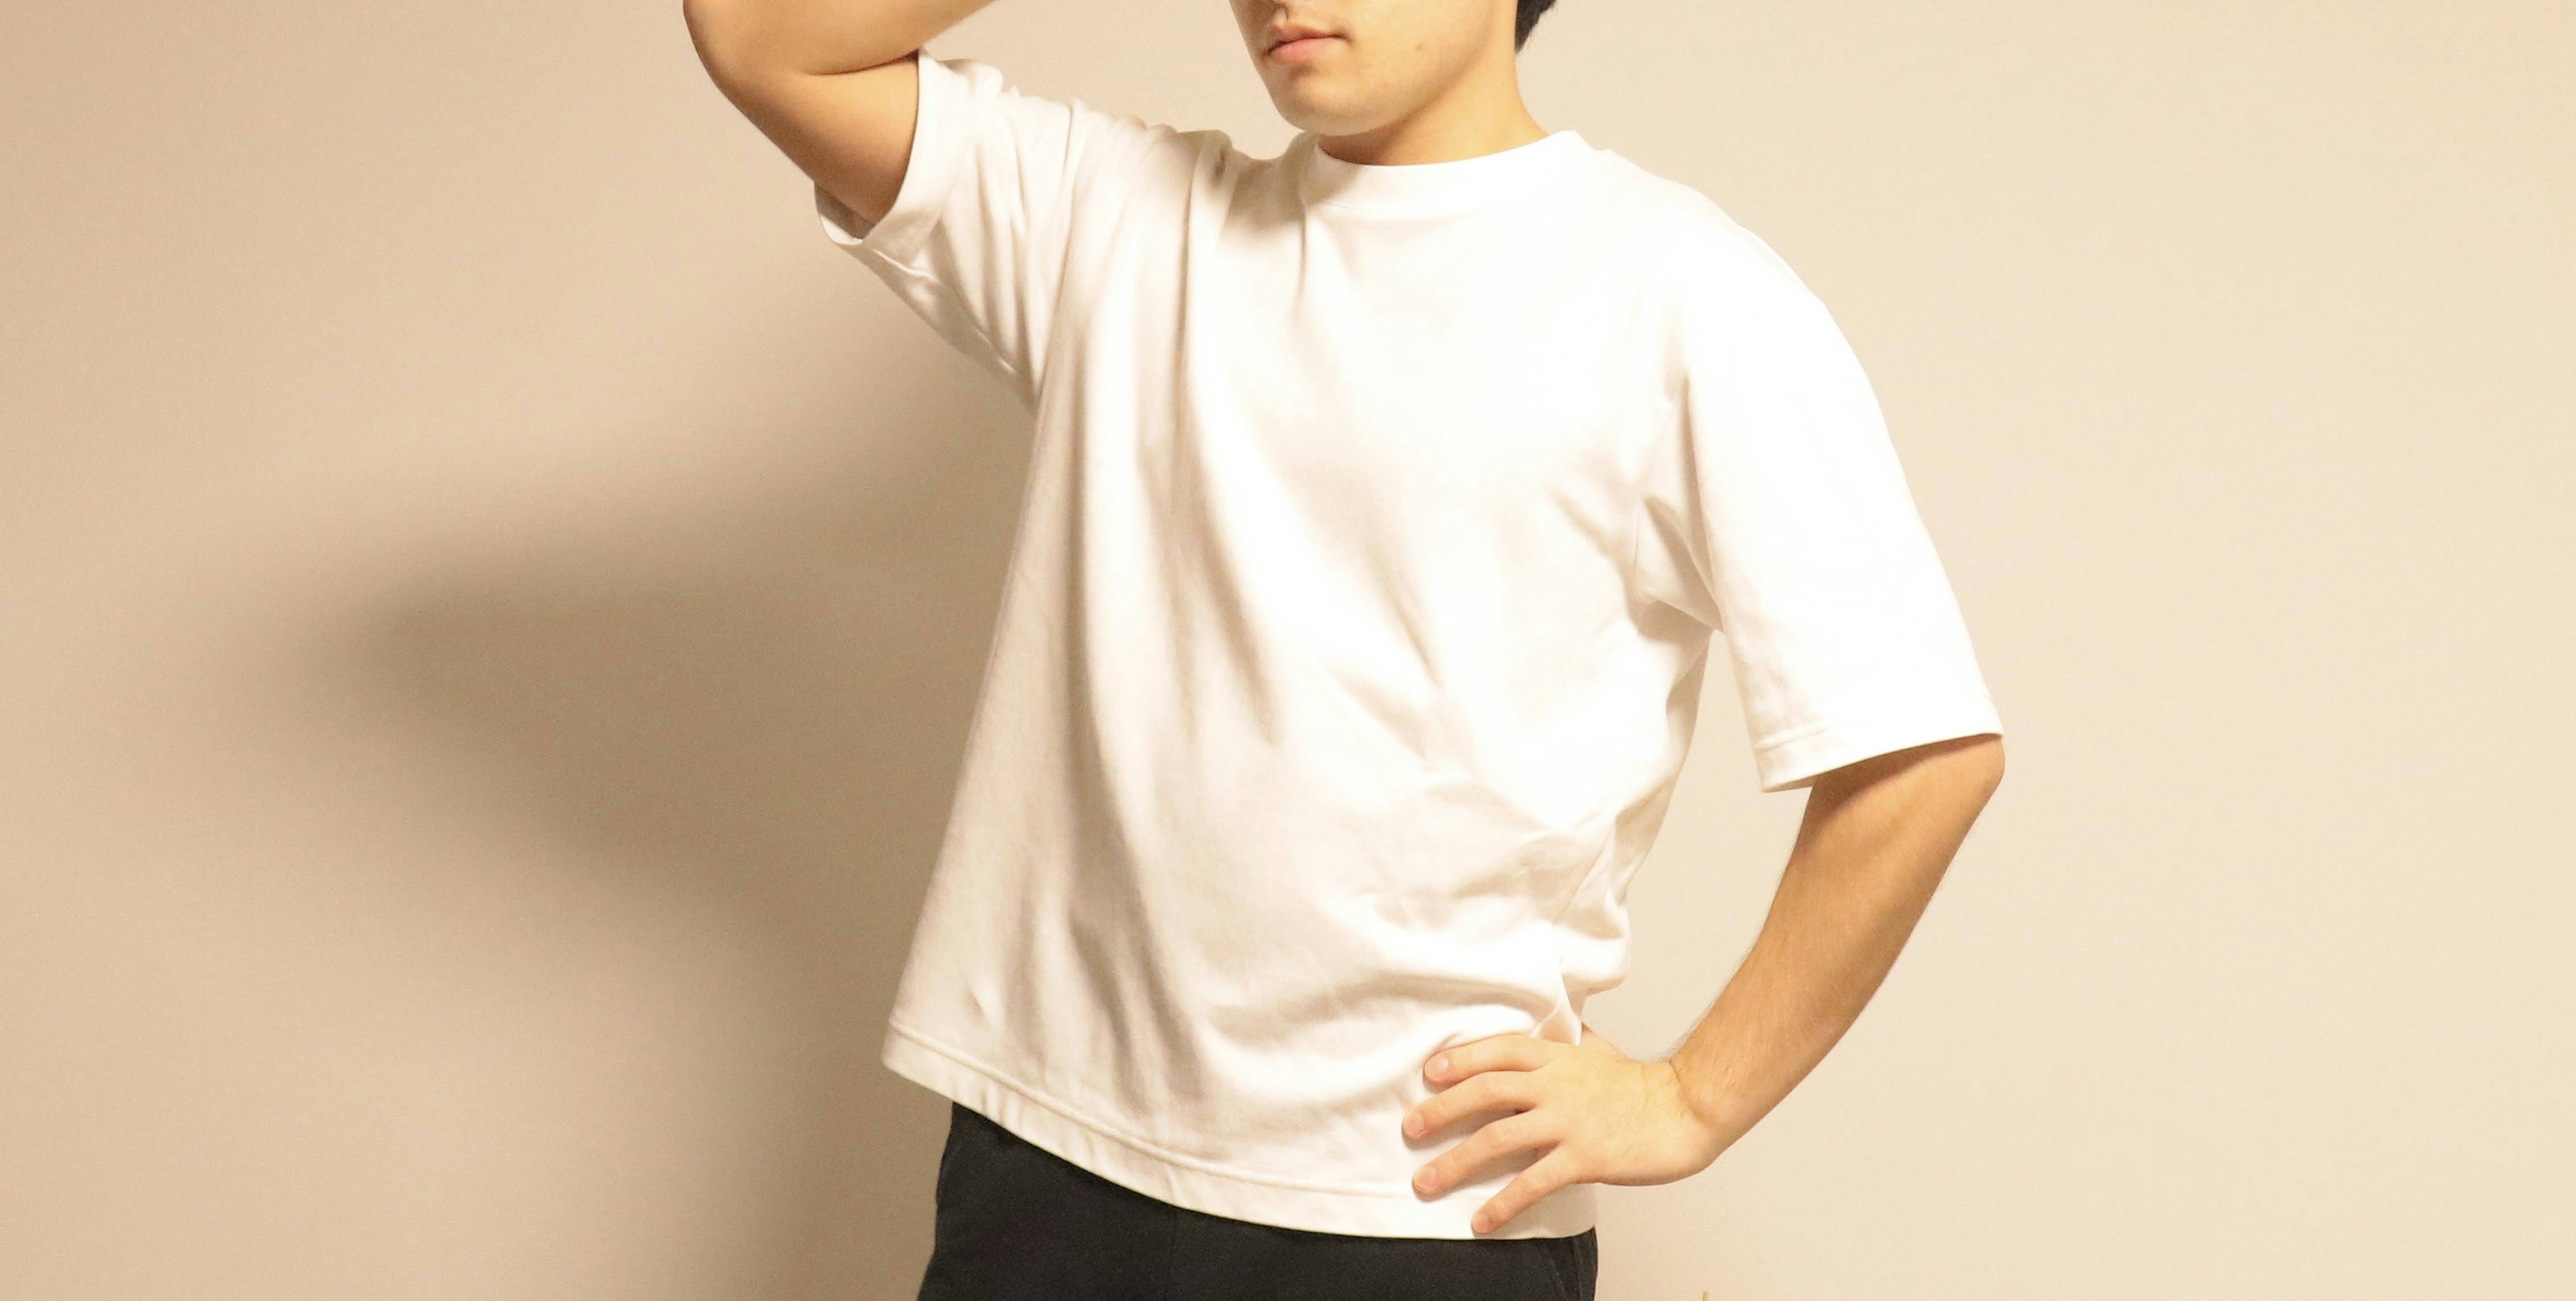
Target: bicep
<point>851,132</point>
<point>959,190</point>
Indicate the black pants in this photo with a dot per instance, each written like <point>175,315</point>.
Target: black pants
<point>1019,1223</point>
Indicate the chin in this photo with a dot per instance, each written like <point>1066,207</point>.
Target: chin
<point>1325,115</point>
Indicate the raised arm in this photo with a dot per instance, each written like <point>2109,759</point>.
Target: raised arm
<point>831,82</point>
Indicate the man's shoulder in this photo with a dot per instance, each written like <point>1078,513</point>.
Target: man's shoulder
<point>1686,241</point>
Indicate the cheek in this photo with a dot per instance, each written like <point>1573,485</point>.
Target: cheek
<point>1411,59</point>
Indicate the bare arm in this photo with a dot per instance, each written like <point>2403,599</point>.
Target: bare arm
<point>1875,840</point>
<point>831,82</point>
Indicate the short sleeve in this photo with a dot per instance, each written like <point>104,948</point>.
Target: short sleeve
<point>999,187</point>
<point>1776,514</point>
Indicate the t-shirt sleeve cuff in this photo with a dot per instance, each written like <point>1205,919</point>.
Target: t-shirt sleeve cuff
<point>1797,759</point>
<point>928,172</point>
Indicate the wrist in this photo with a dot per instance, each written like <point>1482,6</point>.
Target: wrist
<point>1705,1098</point>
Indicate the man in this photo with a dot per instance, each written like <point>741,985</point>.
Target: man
<point>1386,499</point>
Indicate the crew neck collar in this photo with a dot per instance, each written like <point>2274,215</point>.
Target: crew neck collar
<point>1420,188</point>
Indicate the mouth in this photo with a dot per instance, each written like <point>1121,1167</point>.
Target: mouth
<point>1297,44</point>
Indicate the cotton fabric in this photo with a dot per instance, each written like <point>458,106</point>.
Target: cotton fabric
<point>1379,524</point>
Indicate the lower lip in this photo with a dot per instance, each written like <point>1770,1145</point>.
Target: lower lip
<point>1301,49</point>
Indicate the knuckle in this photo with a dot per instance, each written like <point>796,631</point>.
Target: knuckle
<point>1502,1088</point>
<point>1470,1096</point>
<point>1518,1132</point>
<point>1578,1166</point>
<point>1483,1093</point>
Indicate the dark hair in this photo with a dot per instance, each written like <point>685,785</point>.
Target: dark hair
<point>1530,10</point>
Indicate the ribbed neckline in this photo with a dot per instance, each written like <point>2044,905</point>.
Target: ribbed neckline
<point>1409,189</point>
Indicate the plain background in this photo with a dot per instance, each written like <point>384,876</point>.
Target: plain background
<point>490,601</point>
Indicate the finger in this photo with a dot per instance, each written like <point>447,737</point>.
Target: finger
<point>1558,1169</point>
<point>1528,1129</point>
<point>1490,1091</point>
<point>1502,1052</point>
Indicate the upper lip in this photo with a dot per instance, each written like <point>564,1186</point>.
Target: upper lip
<point>1291,32</point>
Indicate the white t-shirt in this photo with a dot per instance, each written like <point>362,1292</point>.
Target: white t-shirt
<point>1379,521</point>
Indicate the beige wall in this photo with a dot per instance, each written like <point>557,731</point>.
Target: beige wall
<point>490,599</point>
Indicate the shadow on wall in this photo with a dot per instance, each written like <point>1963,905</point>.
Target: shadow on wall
<point>760,718</point>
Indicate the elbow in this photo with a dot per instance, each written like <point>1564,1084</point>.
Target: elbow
<point>703,18</point>
<point>721,34</point>
<point>1982,761</point>
<point>1970,767</point>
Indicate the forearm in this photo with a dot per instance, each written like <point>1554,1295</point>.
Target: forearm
<point>819,37</point>
<point>1871,849</point>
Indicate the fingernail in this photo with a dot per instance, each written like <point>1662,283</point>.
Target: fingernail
<point>1439,1064</point>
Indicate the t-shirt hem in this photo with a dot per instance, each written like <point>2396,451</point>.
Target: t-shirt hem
<point>1058,1128</point>
<point>1798,759</point>
<point>929,169</point>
